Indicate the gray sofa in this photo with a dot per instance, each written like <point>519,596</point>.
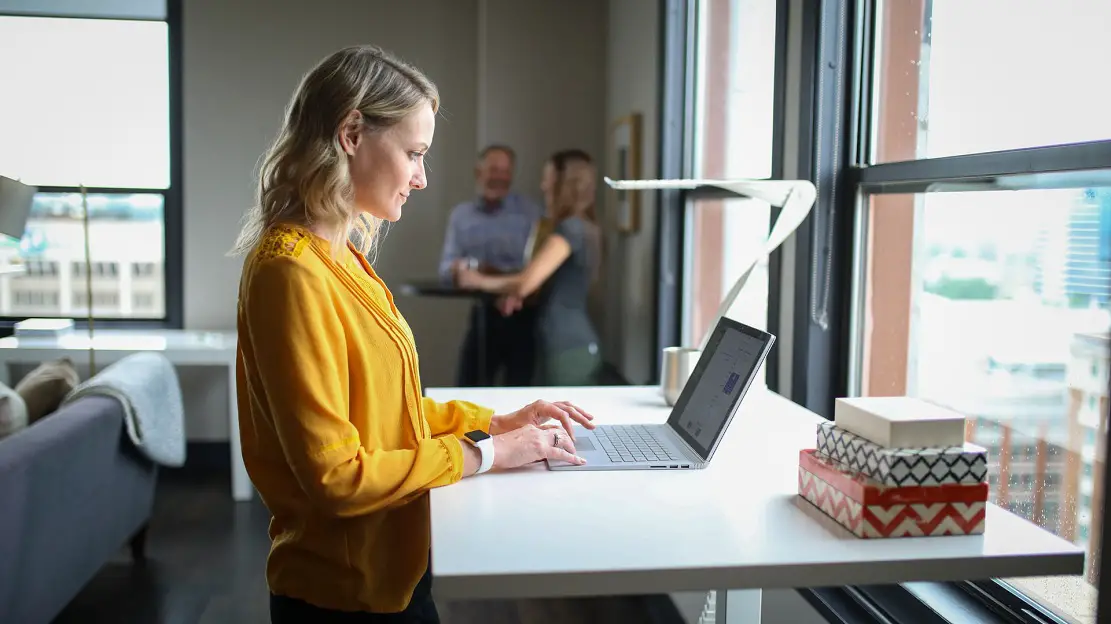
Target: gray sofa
<point>73,491</point>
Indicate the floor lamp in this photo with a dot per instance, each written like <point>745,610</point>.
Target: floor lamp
<point>88,275</point>
<point>15,206</point>
<point>794,197</point>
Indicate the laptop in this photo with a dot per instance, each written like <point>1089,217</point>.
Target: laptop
<point>701,415</point>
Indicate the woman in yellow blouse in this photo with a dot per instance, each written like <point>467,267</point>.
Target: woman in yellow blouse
<point>336,434</point>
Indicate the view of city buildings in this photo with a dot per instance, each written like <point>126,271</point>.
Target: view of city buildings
<point>126,249</point>
<point>1011,328</point>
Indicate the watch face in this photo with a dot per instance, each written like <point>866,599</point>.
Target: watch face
<point>476,436</point>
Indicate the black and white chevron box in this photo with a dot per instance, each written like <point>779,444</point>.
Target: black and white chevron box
<point>897,467</point>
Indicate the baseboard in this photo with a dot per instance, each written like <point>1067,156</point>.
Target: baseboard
<point>204,457</point>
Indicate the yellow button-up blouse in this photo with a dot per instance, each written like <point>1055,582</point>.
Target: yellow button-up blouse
<point>336,435</point>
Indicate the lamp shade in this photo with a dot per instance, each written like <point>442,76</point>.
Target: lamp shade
<point>15,206</point>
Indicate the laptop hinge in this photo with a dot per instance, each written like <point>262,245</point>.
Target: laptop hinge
<point>690,450</point>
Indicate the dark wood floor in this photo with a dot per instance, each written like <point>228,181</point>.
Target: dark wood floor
<point>205,561</point>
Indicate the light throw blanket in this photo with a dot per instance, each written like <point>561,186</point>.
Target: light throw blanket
<point>146,385</point>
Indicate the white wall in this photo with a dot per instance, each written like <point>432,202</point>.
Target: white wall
<point>242,61</point>
<point>633,85</point>
<point>542,80</point>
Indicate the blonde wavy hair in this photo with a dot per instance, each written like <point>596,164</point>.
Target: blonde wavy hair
<point>573,195</point>
<point>304,177</point>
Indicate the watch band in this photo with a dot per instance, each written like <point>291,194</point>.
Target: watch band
<point>486,447</point>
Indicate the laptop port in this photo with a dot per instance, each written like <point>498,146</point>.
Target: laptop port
<point>674,465</point>
<point>659,466</point>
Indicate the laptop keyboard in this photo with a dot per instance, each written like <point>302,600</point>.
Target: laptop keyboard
<point>631,443</point>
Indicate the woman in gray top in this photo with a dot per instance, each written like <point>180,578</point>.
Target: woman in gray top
<point>562,270</point>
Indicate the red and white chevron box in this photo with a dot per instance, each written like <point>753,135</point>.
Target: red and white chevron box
<point>869,509</point>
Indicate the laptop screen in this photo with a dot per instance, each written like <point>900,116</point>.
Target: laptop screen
<point>718,383</point>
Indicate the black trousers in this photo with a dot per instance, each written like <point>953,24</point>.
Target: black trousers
<point>421,610</point>
<point>510,343</point>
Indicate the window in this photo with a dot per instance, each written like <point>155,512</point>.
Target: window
<point>941,273</point>
<point>97,111</point>
<point>964,180</point>
<point>968,77</point>
<point>732,138</point>
<point>961,247</point>
<point>1049,517</point>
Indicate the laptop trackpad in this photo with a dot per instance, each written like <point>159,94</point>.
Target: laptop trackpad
<point>583,444</point>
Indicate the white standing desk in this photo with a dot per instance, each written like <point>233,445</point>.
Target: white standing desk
<point>736,525</point>
<point>182,348</point>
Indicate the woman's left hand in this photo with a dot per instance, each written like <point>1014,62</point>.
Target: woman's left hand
<point>540,412</point>
<point>509,304</point>
<point>468,278</point>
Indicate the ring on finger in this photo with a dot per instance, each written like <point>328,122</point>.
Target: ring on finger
<point>555,439</point>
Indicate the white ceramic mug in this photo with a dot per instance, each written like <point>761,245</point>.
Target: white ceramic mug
<point>676,367</point>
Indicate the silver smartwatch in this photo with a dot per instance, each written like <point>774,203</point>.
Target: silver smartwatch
<point>485,445</point>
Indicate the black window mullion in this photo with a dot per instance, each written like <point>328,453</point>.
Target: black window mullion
<point>779,123</point>
<point>918,176</point>
<point>676,84</point>
<point>823,241</point>
<point>97,190</point>
<point>173,210</point>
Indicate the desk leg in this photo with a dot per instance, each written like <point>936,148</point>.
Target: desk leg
<point>480,324</point>
<point>737,606</point>
<point>241,488</point>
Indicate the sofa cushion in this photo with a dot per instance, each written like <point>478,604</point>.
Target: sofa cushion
<point>13,411</point>
<point>44,388</point>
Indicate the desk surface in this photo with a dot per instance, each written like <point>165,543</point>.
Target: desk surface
<point>125,340</point>
<point>737,524</point>
<point>433,288</point>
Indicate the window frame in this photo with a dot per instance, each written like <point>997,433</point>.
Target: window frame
<point>173,196</point>
<point>1033,167</point>
<point>678,75</point>
<point>834,61</point>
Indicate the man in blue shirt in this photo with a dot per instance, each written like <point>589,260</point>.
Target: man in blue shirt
<point>492,232</point>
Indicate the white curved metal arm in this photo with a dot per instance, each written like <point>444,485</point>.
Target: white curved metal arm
<point>795,197</point>
<point>15,206</point>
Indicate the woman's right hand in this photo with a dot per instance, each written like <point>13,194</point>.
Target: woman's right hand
<point>530,444</point>
<point>509,304</point>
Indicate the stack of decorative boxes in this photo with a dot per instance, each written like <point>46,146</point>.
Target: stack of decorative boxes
<point>896,467</point>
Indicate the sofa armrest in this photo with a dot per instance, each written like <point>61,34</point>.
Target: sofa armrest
<point>72,491</point>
